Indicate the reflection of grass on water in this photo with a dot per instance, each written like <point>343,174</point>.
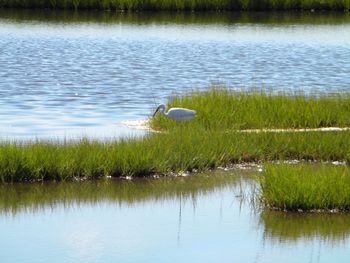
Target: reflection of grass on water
<point>182,18</point>
<point>306,187</point>
<point>206,142</point>
<point>181,4</point>
<point>295,226</point>
<point>31,197</point>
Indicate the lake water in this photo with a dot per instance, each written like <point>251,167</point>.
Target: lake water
<point>82,74</point>
<point>200,218</point>
<point>68,75</point>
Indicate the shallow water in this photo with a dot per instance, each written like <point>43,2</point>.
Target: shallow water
<point>201,218</point>
<point>82,74</point>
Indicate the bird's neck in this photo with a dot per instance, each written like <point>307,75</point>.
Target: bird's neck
<point>162,110</point>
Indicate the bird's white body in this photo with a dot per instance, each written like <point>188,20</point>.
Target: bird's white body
<point>180,114</point>
<point>177,114</point>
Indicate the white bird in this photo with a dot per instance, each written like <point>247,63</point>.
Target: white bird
<point>177,114</point>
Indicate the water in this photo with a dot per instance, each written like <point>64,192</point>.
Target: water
<point>201,218</point>
<point>82,74</point>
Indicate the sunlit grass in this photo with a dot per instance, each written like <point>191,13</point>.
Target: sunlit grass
<point>220,108</point>
<point>306,187</point>
<point>183,149</point>
<point>206,142</point>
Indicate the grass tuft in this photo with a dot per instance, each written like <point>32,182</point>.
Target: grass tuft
<point>306,187</point>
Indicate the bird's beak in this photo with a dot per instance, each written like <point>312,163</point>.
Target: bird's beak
<point>154,114</point>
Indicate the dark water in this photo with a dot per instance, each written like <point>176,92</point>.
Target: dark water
<point>202,218</point>
<point>82,74</point>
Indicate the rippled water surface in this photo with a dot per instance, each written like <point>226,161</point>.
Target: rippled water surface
<point>201,218</point>
<point>65,74</point>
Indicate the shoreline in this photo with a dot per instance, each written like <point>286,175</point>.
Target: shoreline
<point>207,18</point>
<point>145,126</point>
<point>256,168</point>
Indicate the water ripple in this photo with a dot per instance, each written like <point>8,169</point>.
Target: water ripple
<point>57,78</point>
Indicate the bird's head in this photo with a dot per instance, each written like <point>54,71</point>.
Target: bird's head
<point>160,108</point>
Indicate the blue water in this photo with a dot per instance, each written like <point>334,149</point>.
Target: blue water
<point>84,79</point>
<point>169,224</point>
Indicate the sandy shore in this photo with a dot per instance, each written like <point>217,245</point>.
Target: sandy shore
<point>144,125</point>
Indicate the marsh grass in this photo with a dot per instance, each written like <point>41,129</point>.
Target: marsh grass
<point>179,150</point>
<point>208,141</point>
<point>306,187</point>
<point>224,109</point>
<point>189,5</point>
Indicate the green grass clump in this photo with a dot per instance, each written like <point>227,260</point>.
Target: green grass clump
<point>187,5</point>
<point>306,187</point>
<point>182,149</point>
<point>220,108</point>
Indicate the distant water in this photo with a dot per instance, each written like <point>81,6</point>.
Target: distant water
<point>62,76</point>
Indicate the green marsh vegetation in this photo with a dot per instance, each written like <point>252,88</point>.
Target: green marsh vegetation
<point>223,109</point>
<point>180,5</point>
<point>226,113</point>
<point>214,138</point>
<point>210,140</point>
<point>182,149</point>
<point>306,187</point>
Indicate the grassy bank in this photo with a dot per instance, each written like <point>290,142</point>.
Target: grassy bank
<point>206,142</point>
<point>186,5</point>
<point>306,187</point>
<point>182,149</point>
<point>220,109</point>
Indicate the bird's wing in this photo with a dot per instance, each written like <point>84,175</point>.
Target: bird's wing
<point>181,112</point>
